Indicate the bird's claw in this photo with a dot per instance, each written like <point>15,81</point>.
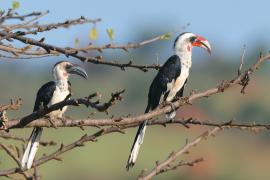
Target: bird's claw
<point>62,119</point>
<point>170,115</point>
<point>171,104</point>
<point>52,122</point>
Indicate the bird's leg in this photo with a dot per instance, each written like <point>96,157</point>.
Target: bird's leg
<point>165,103</point>
<point>62,119</point>
<point>47,116</point>
<point>51,120</point>
<point>170,115</point>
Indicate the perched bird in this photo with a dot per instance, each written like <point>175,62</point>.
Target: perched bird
<point>169,82</point>
<point>50,93</point>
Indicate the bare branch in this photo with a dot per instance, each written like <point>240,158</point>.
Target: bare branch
<point>11,153</point>
<point>74,53</point>
<point>73,102</point>
<point>242,60</point>
<point>5,135</point>
<point>172,157</point>
<point>117,128</point>
<point>12,15</point>
<point>14,105</point>
<point>171,166</point>
<point>47,27</point>
<point>123,47</point>
<point>140,118</point>
<point>24,24</point>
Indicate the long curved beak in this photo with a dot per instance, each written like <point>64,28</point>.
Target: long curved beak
<point>75,69</point>
<point>203,43</point>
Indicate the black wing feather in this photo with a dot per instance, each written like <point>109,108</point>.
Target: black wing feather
<point>44,95</point>
<point>168,72</point>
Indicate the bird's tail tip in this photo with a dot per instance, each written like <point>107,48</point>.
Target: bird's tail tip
<point>133,156</point>
<point>31,149</point>
<point>25,164</point>
<point>24,167</point>
<point>129,165</point>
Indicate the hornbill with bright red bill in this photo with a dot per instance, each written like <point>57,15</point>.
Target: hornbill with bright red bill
<point>169,82</point>
<point>51,93</point>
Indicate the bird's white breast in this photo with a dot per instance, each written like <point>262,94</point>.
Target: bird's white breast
<point>179,82</point>
<point>59,95</point>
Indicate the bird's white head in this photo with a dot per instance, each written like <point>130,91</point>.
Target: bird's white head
<point>63,69</point>
<point>185,41</point>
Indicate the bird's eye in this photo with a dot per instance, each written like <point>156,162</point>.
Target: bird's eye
<point>192,39</point>
<point>68,66</point>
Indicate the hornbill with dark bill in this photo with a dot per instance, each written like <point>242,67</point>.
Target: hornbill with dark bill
<point>169,82</point>
<point>50,93</point>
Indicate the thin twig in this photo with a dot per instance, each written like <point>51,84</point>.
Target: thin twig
<point>172,157</point>
<point>242,60</point>
<point>11,153</point>
<point>10,136</point>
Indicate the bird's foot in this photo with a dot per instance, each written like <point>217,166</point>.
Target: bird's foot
<point>51,120</point>
<point>62,119</point>
<point>171,104</point>
<point>170,115</point>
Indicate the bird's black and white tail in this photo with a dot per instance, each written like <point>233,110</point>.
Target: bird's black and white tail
<point>137,142</point>
<point>31,149</point>
<point>136,145</point>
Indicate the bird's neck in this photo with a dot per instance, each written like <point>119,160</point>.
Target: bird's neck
<point>185,57</point>
<point>62,84</point>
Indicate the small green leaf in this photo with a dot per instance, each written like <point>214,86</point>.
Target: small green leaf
<point>76,41</point>
<point>93,34</point>
<point>110,33</point>
<point>15,4</point>
<point>166,36</point>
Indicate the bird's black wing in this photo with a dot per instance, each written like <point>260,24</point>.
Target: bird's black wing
<point>44,95</point>
<point>168,72</point>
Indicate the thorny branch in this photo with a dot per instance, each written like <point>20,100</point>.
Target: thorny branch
<point>10,14</point>
<point>73,52</point>
<point>9,136</point>
<point>72,102</point>
<point>78,143</point>
<point>7,32</point>
<point>12,154</point>
<point>14,105</point>
<point>47,27</point>
<point>118,121</point>
<point>180,164</point>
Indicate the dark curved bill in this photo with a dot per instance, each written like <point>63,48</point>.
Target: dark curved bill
<point>78,70</point>
<point>206,45</point>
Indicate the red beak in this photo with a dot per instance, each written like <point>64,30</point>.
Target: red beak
<point>203,43</point>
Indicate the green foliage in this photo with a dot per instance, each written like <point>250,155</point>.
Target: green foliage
<point>166,36</point>
<point>93,34</point>
<point>110,33</point>
<point>15,4</point>
<point>76,41</point>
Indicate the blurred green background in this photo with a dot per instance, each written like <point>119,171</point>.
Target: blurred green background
<point>233,154</point>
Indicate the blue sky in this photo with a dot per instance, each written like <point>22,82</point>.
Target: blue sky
<point>228,25</point>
